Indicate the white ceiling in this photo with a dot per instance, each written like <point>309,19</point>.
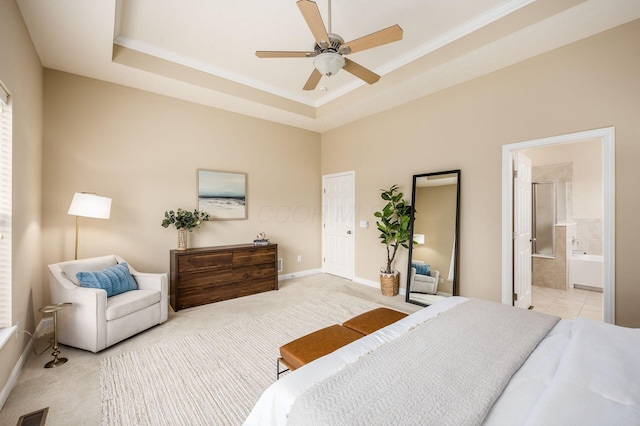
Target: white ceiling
<point>204,51</point>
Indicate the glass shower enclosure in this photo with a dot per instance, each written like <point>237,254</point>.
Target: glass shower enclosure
<point>544,217</point>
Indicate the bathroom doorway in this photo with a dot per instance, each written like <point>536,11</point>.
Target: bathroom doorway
<point>578,190</point>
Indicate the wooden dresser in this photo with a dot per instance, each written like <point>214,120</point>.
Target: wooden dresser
<point>211,274</point>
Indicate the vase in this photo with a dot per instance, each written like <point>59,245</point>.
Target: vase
<point>390,283</point>
<point>182,239</point>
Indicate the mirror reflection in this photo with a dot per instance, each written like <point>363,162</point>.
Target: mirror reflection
<point>433,260</point>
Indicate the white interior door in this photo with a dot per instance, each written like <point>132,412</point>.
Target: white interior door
<point>522,231</point>
<point>338,224</point>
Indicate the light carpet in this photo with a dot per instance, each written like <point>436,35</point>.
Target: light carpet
<point>214,377</point>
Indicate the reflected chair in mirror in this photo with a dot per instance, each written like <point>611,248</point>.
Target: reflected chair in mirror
<point>424,283</point>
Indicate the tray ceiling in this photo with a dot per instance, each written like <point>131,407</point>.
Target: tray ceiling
<point>204,51</point>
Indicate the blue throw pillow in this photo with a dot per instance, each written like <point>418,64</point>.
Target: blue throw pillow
<point>115,279</point>
<point>421,268</point>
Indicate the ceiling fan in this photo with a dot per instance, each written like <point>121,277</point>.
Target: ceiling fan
<point>330,48</point>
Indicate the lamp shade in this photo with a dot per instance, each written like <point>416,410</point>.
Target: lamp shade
<point>418,238</point>
<point>329,63</point>
<point>90,205</point>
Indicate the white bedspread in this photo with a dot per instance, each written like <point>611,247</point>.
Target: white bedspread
<point>582,373</point>
<point>273,406</point>
<point>448,371</point>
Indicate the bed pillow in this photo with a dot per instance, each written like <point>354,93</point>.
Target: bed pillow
<point>422,268</point>
<point>114,280</point>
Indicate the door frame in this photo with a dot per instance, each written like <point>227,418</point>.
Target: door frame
<point>607,136</point>
<point>352,209</point>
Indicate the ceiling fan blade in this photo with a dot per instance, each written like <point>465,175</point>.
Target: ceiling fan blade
<point>313,80</point>
<point>361,72</point>
<point>311,14</point>
<point>284,54</point>
<point>388,35</point>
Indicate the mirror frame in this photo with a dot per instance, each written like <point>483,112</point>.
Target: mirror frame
<point>456,238</point>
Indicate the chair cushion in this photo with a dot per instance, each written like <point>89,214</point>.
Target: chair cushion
<point>70,269</point>
<point>115,279</point>
<point>317,344</point>
<point>376,319</point>
<point>425,278</point>
<point>421,268</point>
<point>424,284</point>
<point>132,301</point>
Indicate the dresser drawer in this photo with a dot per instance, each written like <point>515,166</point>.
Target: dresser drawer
<point>225,292</point>
<point>254,271</point>
<point>193,297</point>
<point>254,256</point>
<point>205,261</point>
<point>204,279</point>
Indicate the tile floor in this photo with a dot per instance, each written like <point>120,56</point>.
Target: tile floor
<point>567,304</point>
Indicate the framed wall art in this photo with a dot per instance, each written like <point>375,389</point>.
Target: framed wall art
<point>222,194</point>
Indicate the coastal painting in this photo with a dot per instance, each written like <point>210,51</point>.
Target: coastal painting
<point>223,195</point>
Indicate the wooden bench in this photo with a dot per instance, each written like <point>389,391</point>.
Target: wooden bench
<point>312,346</point>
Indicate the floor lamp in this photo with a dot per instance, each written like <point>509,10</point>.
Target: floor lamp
<point>87,204</point>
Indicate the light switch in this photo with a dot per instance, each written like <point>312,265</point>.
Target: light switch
<point>364,224</point>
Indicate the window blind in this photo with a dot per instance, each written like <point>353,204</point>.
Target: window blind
<point>5,207</point>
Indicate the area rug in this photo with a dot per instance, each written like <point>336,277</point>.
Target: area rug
<point>213,377</point>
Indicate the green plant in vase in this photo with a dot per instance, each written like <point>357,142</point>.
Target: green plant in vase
<point>184,221</point>
<point>395,219</point>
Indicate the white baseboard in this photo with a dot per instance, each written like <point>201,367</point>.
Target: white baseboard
<point>374,284</point>
<point>299,274</point>
<point>368,283</point>
<point>357,280</point>
<point>44,325</point>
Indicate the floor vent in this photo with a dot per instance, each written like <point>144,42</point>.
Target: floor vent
<point>37,418</point>
<point>279,265</point>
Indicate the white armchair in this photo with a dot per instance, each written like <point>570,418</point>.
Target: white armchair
<point>424,283</point>
<point>95,322</point>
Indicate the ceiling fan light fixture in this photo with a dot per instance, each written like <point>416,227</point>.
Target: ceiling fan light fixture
<point>329,63</point>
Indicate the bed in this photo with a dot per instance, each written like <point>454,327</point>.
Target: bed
<point>573,372</point>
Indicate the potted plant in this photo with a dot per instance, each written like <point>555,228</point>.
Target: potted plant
<point>184,221</point>
<point>395,218</point>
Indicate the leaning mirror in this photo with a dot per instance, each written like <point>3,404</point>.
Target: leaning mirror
<point>433,256</point>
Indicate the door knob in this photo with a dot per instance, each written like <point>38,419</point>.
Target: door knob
<point>349,232</point>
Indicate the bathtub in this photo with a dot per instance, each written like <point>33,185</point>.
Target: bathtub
<point>586,271</point>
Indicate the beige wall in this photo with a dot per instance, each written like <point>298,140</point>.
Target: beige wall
<point>587,85</point>
<point>143,150</point>
<point>21,72</point>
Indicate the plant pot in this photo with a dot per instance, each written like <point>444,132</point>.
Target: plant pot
<point>182,239</point>
<point>390,283</point>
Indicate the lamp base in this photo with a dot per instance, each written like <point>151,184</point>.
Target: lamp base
<point>55,362</point>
